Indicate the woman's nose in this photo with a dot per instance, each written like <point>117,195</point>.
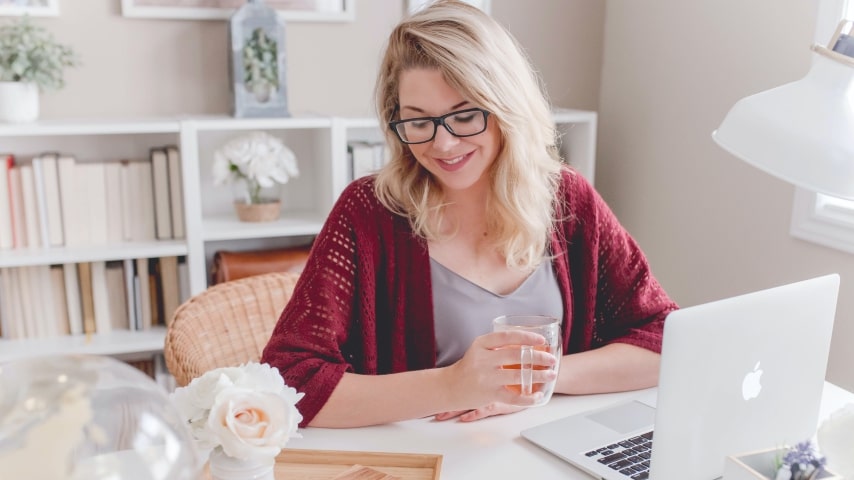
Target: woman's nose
<point>444,138</point>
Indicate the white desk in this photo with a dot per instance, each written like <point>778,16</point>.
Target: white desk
<point>490,448</point>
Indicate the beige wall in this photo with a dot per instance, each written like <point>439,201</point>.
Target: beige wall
<point>712,225</point>
<point>150,67</point>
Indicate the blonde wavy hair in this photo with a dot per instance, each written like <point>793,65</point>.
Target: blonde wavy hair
<point>482,61</point>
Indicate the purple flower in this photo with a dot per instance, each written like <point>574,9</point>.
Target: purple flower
<point>804,461</point>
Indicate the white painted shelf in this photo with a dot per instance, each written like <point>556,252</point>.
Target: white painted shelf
<point>227,227</point>
<point>122,343</point>
<point>59,255</point>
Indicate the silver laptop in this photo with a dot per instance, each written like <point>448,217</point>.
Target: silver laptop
<point>739,374</point>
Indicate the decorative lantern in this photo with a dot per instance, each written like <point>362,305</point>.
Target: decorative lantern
<point>257,61</point>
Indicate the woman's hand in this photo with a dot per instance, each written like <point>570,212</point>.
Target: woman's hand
<point>480,413</point>
<point>479,378</point>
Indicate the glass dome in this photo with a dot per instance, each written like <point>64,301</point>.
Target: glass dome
<point>88,417</point>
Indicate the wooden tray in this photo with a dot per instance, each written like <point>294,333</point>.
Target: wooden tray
<point>299,464</point>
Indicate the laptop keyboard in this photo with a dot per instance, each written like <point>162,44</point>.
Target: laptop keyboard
<point>629,457</point>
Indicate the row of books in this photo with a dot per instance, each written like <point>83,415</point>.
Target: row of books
<point>90,297</point>
<point>365,158</point>
<point>55,200</point>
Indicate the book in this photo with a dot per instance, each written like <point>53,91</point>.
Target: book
<point>101,297</point>
<point>155,292</point>
<point>130,295</point>
<point>73,304</point>
<point>119,319</point>
<point>95,201</point>
<point>40,200</point>
<point>16,199</point>
<point>381,155</point>
<point>32,222</point>
<point>87,301</point>
<point>176,195</point>
<point>144,297</point>
<point>6,308</point>
<point>45,167</point>
<point>73,201</point>
<point>44,305</point>
<point>7,239</point>
<point>142,202</point>
<point>363,159</point>
<point>184,279</point>
<point>114,196</point>
<point>22,282</point>
<point>160,183</point>
<point>169,287</point>
<point>17,326</point>
<point>127,201</point>
<point>59,313</point>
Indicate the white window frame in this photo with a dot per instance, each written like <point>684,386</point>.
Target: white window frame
<point>816,217</point>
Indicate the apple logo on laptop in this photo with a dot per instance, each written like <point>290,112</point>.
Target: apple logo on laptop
<point>751,387</point>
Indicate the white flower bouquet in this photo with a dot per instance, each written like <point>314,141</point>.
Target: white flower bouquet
<point>259,158</point>
<point>247,411</point>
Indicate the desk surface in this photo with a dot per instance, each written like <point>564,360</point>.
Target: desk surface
<point>490,448</point>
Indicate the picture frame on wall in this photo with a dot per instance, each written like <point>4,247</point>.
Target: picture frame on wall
<point>35,8</point>
<point>415,5</point>
<point>288,10</point>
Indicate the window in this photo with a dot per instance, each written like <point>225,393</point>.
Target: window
<point>816,217</point>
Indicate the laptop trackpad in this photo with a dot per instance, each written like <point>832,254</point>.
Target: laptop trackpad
<point>625,418</point>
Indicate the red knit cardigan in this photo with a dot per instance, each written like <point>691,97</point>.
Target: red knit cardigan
<point>364,303</point>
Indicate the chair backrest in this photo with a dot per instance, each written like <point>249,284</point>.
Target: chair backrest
<point>226,325</point>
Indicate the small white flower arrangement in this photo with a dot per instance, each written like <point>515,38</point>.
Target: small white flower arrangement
<point>247,411</point>
<point>259,158</point>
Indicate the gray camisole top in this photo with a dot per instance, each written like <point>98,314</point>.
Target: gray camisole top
<point>462,310</point>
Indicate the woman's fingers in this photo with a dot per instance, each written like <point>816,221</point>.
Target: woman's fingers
<point>490,410</point>
<point>509,337</point>
<point>449,415</point>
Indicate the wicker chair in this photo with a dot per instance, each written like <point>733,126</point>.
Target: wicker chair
<point>226,325</point>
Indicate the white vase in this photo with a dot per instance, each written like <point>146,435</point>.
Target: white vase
<point>19,102</point>
<point>223,467</point>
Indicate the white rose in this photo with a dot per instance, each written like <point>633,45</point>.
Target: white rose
<point>257,156</point>
<point>260,377</point>
<point>252,424</point>
<point>221,169</point>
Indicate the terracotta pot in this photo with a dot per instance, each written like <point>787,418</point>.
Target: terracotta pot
<point>258,212</point>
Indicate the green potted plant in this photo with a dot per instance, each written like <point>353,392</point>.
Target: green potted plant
<point>30,60</point>
<point>260,65</point>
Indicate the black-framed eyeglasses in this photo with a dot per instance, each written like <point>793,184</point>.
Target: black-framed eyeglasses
<point>462,123</point>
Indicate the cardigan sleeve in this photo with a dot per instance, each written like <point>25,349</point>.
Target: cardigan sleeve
<point>627,302</point>
<point>309,344</point>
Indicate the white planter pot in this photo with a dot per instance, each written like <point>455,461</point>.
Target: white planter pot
<point>19,102</point>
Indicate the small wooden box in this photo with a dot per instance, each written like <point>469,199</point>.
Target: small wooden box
<point>760,466</point>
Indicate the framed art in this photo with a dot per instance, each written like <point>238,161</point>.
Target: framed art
<point>288,10</point>
<point>35,8</point>
<point>415,5</point>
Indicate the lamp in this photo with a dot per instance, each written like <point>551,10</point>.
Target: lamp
<point>803,131</point>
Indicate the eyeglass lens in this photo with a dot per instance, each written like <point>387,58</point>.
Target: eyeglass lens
<point>460,124</point>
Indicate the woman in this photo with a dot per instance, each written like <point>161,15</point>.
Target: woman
<point>474,217</point>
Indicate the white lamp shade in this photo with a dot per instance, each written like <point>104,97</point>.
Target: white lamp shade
<point>801,132</point>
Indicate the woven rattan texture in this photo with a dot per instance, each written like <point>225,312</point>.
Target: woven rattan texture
<point>226,325</point>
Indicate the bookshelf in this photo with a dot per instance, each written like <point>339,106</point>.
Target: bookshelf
<point>319,142</point>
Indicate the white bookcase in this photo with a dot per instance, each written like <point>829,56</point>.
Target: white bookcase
<point>319,142</point>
